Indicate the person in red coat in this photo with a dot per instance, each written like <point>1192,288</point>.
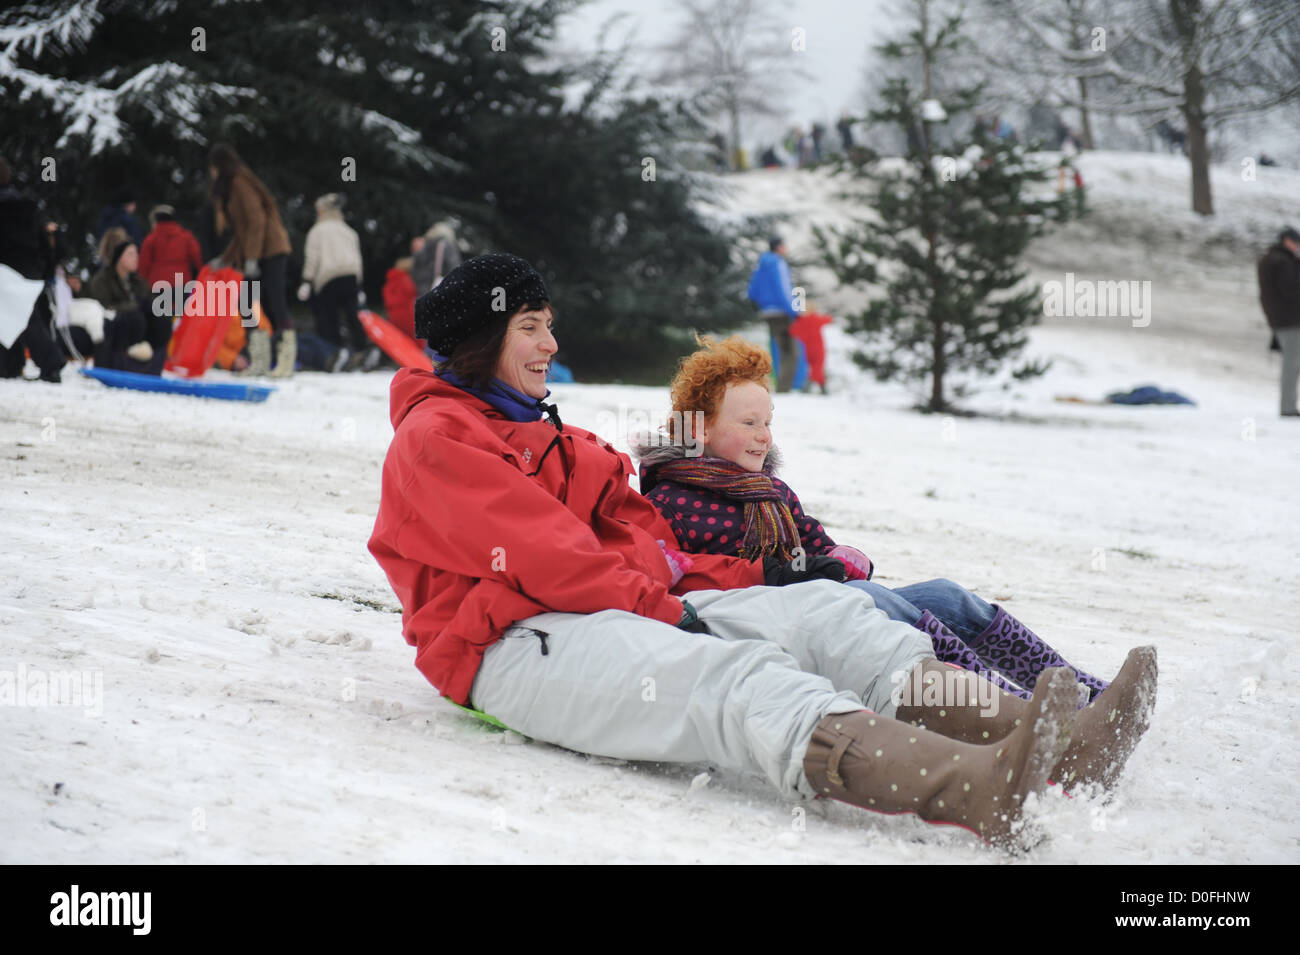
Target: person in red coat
<point>540,589</point>
<point>400,295</point>
<point>169,250</point>
<point>807,328</point>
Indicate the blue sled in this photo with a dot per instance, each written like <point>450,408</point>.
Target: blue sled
<point>226,391</point>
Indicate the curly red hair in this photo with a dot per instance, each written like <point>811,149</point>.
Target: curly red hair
<point>704,375</point>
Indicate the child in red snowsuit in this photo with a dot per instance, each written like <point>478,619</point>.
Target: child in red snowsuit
<point>399,297</point>
<point>807,328</point>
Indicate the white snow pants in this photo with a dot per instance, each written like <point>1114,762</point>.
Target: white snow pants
<point>746,699</point>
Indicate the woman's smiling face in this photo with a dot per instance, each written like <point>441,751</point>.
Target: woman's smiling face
<point>741,431</point>
<point>527,350</point>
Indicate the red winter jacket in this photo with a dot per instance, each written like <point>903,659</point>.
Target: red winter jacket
<point>399,300</point>
<point>484,521</point>
<point>170,248</point>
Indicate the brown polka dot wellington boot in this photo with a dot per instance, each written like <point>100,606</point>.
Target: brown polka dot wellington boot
<point>890,766</point>
<point>962,705</point>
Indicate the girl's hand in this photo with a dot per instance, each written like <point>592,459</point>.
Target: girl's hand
<point>857,565</point>
<point>679,565</point>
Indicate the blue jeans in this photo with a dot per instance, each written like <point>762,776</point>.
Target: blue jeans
<point>963,612</point>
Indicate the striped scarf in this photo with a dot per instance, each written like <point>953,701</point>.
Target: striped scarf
<point>769,525</point>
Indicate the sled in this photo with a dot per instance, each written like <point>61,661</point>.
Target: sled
<point>226,391</point>
<point>478,714</point>
<point>396,344</point>
<point>198,337</point>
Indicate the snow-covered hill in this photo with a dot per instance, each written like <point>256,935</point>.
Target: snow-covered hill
<point>203,567</point>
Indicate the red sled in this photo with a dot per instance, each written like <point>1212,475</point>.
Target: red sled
<point>197,339</point>
<point>397,345</point>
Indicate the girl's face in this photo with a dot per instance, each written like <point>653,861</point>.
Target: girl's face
<point>741,431</point>
<point>527,350</point>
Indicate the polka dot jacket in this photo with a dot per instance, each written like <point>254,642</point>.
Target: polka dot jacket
<point>706,522</point>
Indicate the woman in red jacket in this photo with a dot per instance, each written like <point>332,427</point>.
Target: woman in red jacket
<point>539,588</point>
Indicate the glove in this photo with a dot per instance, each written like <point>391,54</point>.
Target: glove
<point>691,621</point>
<point>778,573</point>
<point>679,565</point>
<point>304,291</point>
<point>857,565</point>
<point>251,269</point>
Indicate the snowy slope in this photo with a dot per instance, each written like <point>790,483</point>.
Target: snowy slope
<point>206,563</point>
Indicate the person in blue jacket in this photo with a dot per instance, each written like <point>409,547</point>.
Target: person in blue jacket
<point>771,291</point>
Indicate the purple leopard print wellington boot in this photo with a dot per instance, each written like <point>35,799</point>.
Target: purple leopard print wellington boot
<point>1010,647</point>
<point>949,648</point>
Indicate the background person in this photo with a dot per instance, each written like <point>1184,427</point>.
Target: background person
<point>259,245</point>
<point>771,291</point>
<point>170,252</point>
<point>1279,294</point>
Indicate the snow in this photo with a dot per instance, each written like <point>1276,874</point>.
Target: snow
<point>206,563</point>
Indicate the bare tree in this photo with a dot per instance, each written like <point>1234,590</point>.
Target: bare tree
<point>1209,60</point>
<point>1031,68</point>
<point>736,57</point>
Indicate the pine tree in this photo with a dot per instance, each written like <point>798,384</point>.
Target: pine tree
<point>944,240</point>
<point>451,108</point>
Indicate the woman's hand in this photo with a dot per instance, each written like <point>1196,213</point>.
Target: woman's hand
<point>857,565</point>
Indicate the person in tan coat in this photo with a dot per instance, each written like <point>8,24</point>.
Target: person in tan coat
<point>260,246</point>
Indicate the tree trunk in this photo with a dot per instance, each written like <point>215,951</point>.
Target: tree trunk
<point>733,114</point>
<point>1085,115</point>
<point>1187,19</point>
<point>938,332</point>
<point>937,341</point>
<point>1198,148</point>
<point>937,337</point>
<point>927,51</point>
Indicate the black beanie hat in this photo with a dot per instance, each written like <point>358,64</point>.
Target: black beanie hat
<point>480,291</point>
<point>117,252</point>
